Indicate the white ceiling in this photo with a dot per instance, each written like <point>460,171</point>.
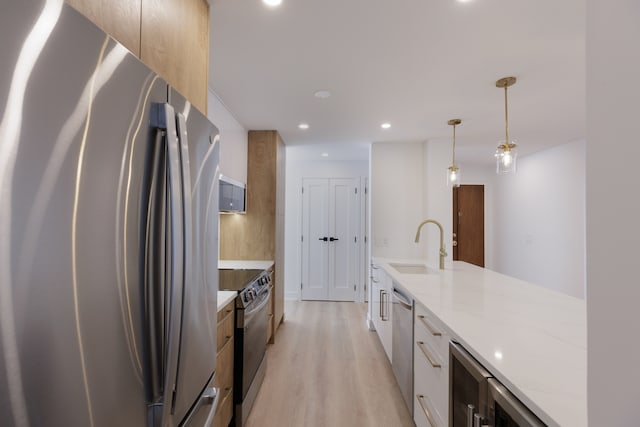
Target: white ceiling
<point>413,63</point>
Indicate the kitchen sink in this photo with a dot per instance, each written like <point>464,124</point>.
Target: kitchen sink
<point>412,268</point>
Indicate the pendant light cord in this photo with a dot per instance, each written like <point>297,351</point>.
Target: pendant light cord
<point>453,154</point>
<point>506,120</point>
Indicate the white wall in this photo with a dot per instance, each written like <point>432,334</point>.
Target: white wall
<point>438,202</point>
<point>534,220</point>
<point>233,139</point>
<point>540,219</point>
<point>613,212</point>
<point>299,166</point>
<point>421,169</point>
<point>396,197</point>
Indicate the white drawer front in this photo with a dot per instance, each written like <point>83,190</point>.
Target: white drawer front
<point>432,381</point>
<point>424,413</point>
<point>434,332</point>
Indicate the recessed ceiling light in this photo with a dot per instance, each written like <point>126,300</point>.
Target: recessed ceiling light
<point>322,94</point>
<point>272,3</point>
<point>385,125</point>
<point>303,126</point>
<point>465,1</point>
<point>325,154</point>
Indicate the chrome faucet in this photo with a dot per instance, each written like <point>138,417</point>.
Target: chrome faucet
<point>443,253</point>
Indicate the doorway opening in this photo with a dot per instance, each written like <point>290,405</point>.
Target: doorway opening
<point>468,224</point>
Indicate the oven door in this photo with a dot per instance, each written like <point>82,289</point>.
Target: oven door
<point>505,410</point>
<point>254,338</point>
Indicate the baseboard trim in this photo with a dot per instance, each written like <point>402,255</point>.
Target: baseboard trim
<point>370,324</point>
<point>292,296</point>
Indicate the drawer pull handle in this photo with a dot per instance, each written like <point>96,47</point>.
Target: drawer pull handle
<point>227,313</point>
<point>425,409</point>
<point>226,341</point>
<point>227,391</point>
<point>431,329</point>
<point>432,360</point>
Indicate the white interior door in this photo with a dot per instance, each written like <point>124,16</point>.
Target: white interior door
<point>343,254</point>
<point>330,241</point>
<point>315,226</point>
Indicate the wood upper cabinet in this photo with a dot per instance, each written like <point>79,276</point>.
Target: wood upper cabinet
<point>169,36</point>
<point>175,43</point>
<point>118,18</point>
<point>259,234</point>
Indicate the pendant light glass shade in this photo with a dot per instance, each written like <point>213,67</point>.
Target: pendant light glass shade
<point>453,171</point>
<point>453,176</point>
<point>506,153</point>
<point>506,157</point>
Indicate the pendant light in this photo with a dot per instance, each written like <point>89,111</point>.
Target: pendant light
<point>453,171</point>
<point>506,154</point>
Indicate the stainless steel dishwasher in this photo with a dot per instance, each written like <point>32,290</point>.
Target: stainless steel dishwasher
<point>402,344</point>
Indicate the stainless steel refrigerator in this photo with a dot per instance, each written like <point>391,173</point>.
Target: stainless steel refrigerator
<point>108,232</point>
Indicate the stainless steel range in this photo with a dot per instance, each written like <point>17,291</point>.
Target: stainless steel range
<point>252,310</point>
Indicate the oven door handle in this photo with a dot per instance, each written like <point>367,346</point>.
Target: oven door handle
<point>259,307</point>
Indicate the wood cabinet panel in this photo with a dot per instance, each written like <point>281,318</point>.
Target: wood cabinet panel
<point>118,18</point>
<point>226,329</point>
<point>225,409</point>
<point>252,236</point>
<point>224,367</point>
<point>278,309</point>
<point>175,43</point>
<point>224,364</point>
<point>229,308</point>
<point>169,36</point>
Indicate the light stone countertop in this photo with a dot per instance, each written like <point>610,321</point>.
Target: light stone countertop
<point>244,264</point>
<point>532,339</point>
<point>224,297</point>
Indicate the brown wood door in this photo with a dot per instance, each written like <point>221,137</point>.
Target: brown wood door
<point>468,224</point>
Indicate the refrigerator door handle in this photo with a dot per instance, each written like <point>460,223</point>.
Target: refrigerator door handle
<point>183,146</point>
<point>163,117</point>
<point>155,266</point>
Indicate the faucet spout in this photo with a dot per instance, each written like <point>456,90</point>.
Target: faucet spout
<point>443,252</point>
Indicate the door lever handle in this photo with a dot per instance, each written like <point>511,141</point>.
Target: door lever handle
<point>333,239</point>
<point>324,239</point>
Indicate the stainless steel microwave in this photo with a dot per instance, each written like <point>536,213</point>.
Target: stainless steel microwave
<point>233,196</point>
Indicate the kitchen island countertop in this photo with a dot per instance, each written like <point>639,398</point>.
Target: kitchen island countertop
<point>532,339</point>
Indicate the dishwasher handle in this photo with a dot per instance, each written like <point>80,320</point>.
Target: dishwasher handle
<point>404,301</point>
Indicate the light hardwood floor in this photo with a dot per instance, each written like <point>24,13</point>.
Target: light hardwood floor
<point>326,369</point>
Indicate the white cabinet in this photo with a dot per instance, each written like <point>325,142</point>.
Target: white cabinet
<point>380,306</point>
<point>431,370</point>
<point>234,140</point>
